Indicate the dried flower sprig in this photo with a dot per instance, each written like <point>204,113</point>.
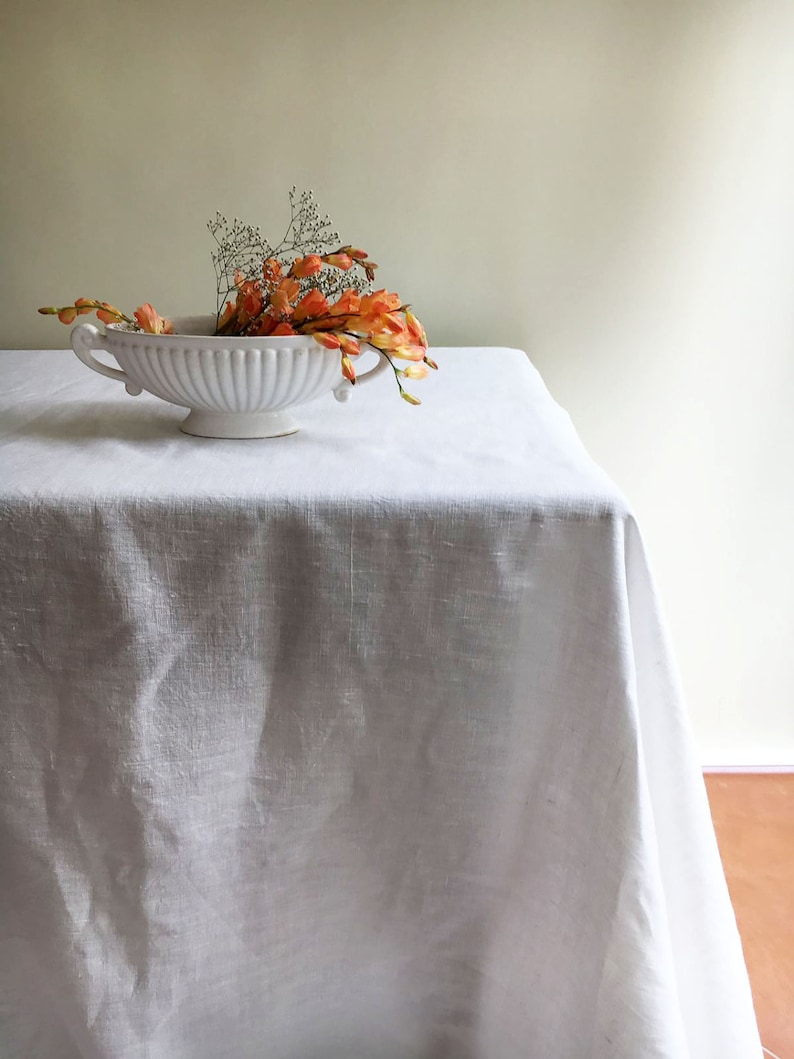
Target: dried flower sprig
<point>243,248</point>
<point>307,284</point>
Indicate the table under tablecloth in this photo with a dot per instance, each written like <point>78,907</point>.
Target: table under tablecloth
<point>362,743</point>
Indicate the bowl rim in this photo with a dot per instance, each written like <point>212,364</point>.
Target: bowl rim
<point>193,327</point>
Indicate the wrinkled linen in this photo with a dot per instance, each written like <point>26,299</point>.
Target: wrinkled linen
<point>364,743</point>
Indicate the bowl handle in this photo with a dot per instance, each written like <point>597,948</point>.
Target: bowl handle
<point>344,391</point>
<point>86,337</point>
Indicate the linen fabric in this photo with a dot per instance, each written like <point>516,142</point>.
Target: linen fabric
<point>363,743</point>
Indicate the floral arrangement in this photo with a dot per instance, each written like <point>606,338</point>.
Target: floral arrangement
<point>308,284</point>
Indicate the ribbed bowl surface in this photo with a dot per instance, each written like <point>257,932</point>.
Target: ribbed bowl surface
<point>220,374</point>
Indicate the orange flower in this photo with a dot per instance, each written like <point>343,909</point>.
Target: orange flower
<point>243,284</point>
<point>271,271</point>
<point>285,292</point>
<point>349,302</point>
<point>67,313</point>
<point>360,258</point>
<point>291,287</point>
<point>283,329</point>
<point>343,261</point>
<point>392,343</point>
<point>348,370</point>
<point>109,314</point>
<point>249,299</point>
<point>279,303</point>
<point>302,267</point>
<point>312,304</point>
<point>226,317</point>
<point>328,339</point>
<point>350,346</point>
<point>415,329</point>
<point>415,353</point>
<point>379,302</point>
<point>416,371</point>
<point>251,296</point>
<point>151,322</point>
<point>265,325</point>
<point>394,323</point>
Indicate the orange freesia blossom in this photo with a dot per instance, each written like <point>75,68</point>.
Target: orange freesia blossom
<point>388,342</point>
<point>109,314</point>
<point>361,258</point>
<point>415,353</point>
<point>380,301</point>
<point>281,297</point>
<point>150,321</point>
<point>393,323</point>
<point>291,287</point>
<point>416,371</point>
<point>328,339</point>
<point>67,314</point>
<point>271,271</point>
<point>225,318</point>
<point>338,260</point>
<point>303,267</point>
<point>349,302</point>
<point>252,301</point>
<point>310,306</point>
<point>350,346</point>
<point>279,303</point>
<point>415,329</point>
<point>348,370</point>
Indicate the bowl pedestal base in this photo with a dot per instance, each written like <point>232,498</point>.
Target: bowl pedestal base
<point>238,425</point>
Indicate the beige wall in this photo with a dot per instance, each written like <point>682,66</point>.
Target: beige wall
<point>607,185</point>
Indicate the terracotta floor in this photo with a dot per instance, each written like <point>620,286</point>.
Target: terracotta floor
<point>754,820</point>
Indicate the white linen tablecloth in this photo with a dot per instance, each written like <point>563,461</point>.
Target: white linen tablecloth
<point>363,743</point>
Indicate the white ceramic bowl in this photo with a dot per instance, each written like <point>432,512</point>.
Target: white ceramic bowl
<point>234,387</point>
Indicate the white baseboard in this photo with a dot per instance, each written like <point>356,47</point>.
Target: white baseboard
<point>753,760</point>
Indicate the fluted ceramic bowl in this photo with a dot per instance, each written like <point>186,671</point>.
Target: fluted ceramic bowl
<point>234,387</point>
